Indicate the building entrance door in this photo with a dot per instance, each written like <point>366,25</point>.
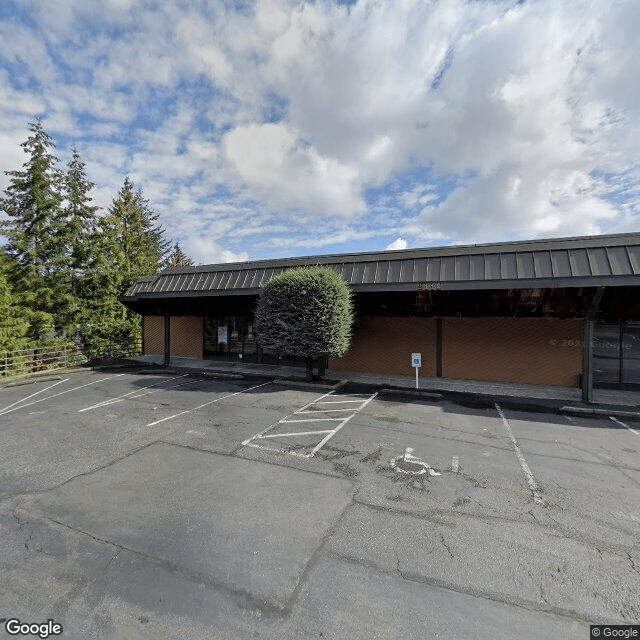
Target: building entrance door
<point>616,354</point>
<point>230,338</point>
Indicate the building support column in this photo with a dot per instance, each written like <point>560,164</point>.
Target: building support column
<point>587,370</point>
<point>167,339</point>
<point>438,347</point>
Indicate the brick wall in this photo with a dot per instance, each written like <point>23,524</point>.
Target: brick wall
<point>385,345</point>
<point>187,336</point>
<point>525,350</point>
<point>153,335</point>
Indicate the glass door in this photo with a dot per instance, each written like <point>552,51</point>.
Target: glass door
<point>606,354</point>
<point>230,337</point>
<point>630,350</point>
<point>616,353</point>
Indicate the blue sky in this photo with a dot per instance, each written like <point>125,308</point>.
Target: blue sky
<point>272,129</point>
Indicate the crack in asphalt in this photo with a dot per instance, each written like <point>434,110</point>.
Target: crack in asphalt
<point>632,563</point>
<point>437,516</point>
<point>37,492</point>
<point>476,593</point>
<point>446,546</point>
<point>63,604</point>
<point>240,596</point>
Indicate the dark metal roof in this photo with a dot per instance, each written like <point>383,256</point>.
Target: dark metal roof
<point>608,260</point>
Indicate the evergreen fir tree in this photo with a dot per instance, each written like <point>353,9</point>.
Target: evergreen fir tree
<point>177,258</point>
<point>130,245</point>
<point>13,324</point>
<point>81,214</point>
<point>35,233</point>
<point>137,243</point>
<point>81,239</point>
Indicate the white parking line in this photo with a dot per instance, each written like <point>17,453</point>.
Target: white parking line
<point>13,404</point>
<point>151,424</point>
<point>315,401</point>
<point>171,386</point>
<point>148,393</point>
<point>330,435</point>
<point>124,396</point>
<point>323,411</point>
<point>263,435</point>
<point>55,395</point>
<point>297,433</point>
<point>531,481</point>
<point>625,425</point>
<point>284,420</point>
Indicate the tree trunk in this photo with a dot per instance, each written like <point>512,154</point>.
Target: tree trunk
<point>308,366</point>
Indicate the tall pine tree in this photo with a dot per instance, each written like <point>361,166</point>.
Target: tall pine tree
<point>81,214</point>
<point>81,239</point>
<point>13,324</point>
<point>177,258</point>
<point>35,232</point>
<point>130,245</point>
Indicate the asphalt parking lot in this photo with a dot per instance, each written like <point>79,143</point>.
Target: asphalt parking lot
<point>139,504</point>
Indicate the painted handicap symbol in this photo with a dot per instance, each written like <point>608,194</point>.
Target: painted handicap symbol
<point>408,463</point>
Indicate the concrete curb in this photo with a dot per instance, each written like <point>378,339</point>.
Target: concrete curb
<point>417,393</point>
<point>601,411</point>
<point>37,376</point>
<point>309,386</point>
<point>109,367</point>
<point>514,403</point>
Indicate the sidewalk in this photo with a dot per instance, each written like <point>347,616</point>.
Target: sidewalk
<point>523,396</point>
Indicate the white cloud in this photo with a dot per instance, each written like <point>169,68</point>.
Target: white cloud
<point>560,204</point>
<point>18,103</point>
<point>399,243</point>
<point>207,251</point>
<point>319,241</point>
<point>291,175</point>
<point>419,196</point>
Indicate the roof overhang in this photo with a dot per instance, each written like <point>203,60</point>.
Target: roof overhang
<point>594,261</point>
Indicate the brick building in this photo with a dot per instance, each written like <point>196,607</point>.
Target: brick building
<point>557,312</point>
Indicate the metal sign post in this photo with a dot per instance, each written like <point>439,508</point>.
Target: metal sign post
<point>416,362</point>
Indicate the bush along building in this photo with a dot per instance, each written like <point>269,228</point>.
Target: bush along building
<point>550,312</point>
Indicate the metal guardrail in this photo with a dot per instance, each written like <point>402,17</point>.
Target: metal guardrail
<point>36,360</point>
<point>40,359</point>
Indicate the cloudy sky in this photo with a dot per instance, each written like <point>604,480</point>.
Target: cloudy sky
<point>272,128</point>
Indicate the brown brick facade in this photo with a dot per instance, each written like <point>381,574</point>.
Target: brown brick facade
<point>385,345</point>
<point>187,336</point>
<point>524,350</point>
<point>153,335</point>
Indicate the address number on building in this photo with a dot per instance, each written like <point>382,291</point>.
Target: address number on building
<point>430,286</point>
